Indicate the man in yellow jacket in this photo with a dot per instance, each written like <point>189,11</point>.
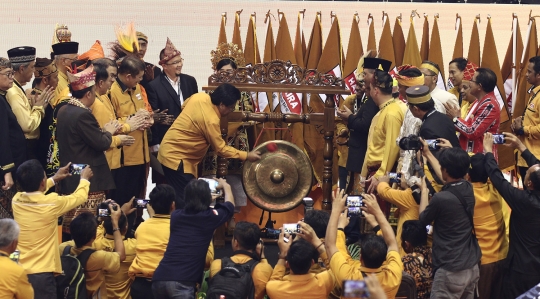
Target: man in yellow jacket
<point>193,132</point>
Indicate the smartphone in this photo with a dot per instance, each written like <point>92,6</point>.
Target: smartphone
<point>291,228</point>
<point>104,213</point>
<point>15,255</point>
<point>433,144</point>
<point>394,177</point>
<point>429,229</point>
<point>140,203</point>
<point>355,201</point>
<point>213,185</point>
<point>76,168</point>
<point>498,139</point>
<point>353,211</point>
<point>353,289</point>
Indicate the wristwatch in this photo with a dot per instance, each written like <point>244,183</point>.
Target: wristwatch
<point>115,229</point>
<point>455,120</point>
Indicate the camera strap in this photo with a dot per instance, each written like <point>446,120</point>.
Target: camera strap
<point>464,204</point>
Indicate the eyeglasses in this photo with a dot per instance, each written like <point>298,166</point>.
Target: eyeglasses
<point>8,74</point>
<point>181,61</point>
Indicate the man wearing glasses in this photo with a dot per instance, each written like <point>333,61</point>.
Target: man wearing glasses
<point>431,73</point>
<point>64,55</point>
<point>483,115</point>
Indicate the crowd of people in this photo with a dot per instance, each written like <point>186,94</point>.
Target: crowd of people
<point>77,148</point>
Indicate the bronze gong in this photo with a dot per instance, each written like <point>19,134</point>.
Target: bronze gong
<point>279,180</point>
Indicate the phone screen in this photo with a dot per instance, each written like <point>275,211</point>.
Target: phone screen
<point>15,255</point>
<point>213,185</point>
<point>140,203</point>
<point>104,213</point>
<point>76,168</point>
<point>291,228</point>
<point>498,139</point>
<point>355,289</point>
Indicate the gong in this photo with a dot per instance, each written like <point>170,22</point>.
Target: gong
<point>280,179</point>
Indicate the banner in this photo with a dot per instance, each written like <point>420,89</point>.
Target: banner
<point>371,43</point>
<point>354,52</point>
<point>435,52</point>
<point>529,51</point>
<point>222,34</point>
<point>236,39</point>
<point>424,45</point>
<point>474,44</point>
<point>386,52</point>
<point>398,41</point>
<point>512,63</point>
<point>412,54</point>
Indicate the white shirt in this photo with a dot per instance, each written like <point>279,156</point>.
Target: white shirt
<point>176,87</point>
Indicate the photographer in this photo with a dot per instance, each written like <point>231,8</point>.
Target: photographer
<point>83,230</point>
<point>404,199</point>
<point>298,256</point>
<point>191,231</point>
<point>455,249</point>
<point>37,214</point>
<point>247,245</point>
<point>522,265</point>
<point>376,250</point>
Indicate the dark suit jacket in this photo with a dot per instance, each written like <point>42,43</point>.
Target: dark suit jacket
<point>358,125</point>
<point>162,96</point>
<point>437,125</point>
<point>12,140</point>
<point>81,141</point>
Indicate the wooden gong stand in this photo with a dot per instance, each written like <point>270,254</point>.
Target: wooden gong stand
<point>280,76</point>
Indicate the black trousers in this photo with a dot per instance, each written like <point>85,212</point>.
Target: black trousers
<point>178,180</point>
<point>522,173</point>
<point>515,283</point>
<point>129,181</point>
<point>44,285</point>
<point>343,174</point>
<point>141,288</point>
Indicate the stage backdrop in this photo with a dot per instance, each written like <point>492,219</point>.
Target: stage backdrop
<point>193,26</point>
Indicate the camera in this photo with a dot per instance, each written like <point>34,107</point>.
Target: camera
<point>103,209</point>
<point>355,289</point>
<point>411,142</point>
<point>394,177</point>
<point>291,228</point>
<point>498,139</point>
<point>140,203</point>
<point>76,168</point>
<point>213,186</point>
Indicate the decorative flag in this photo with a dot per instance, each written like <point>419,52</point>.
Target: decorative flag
<point>269,55</point>
<point>222,34</point>
<point>371,43</point>
<point>398,40</point>
<point>331,61</point>
<point>251,53</point>
<point>529,51</point>
<point>354,51</point>
<point>412,54</point>
<point>435,51</point>
<point>512,63</point>
<point>300,41</point>
<point>474,44</point>
<point>490,60</point>
<point>314,48</point>
<point>424,45</point>
<point>236,39</point>
<point>386,51</point>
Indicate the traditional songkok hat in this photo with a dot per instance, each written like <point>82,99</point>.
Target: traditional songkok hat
<point>95,52</point>
<point>468,73</point>
<point>432,66</point>
<point>82,80</point>
<point>44,68</point>
<point>22,54</point>
<point>228,51</point>
<point>61,34</point>
<point>408,81</point>
<point>65,48</point>
<point>418,94</point>
<point>169,52</point>
<point>377,63</point>
<point>142,36</point>
<point>360,67</point>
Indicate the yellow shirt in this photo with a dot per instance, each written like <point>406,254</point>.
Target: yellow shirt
<point>383,132</point>
<point>152,239</point>
<point>192,133</point>
<point>404,200</point>
<point>37,215</point>
<point>531,126</point>
<point>389,275</point>
<point>489,223</point>
<point>126,102</point>
<point>103,111</point>
<point>118,284</point>
<point>260,273</point>
<point>13,281</point>
<point>28,117</point>
<point>294,286</point>
<point>62,89</point>
<point>99,264</point>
